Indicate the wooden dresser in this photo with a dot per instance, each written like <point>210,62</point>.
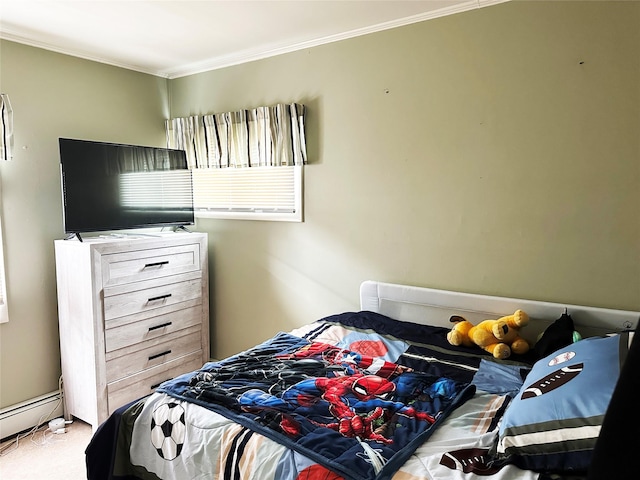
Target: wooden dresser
<point>133,312</point>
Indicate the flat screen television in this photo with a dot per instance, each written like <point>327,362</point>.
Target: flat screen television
<point>110,186</point>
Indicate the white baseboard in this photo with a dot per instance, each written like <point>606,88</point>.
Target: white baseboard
<point>26,415</point>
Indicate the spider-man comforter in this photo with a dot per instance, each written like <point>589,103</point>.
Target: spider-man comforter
<point>358,414</point>
<point>361,416</point>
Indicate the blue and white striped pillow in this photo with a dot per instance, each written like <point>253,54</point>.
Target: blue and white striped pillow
<point>554,421</point>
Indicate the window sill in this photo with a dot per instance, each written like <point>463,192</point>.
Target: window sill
<point>253,215</point>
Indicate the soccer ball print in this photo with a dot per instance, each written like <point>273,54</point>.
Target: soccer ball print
<point>168,430</point>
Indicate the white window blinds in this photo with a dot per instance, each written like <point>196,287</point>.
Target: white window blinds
<point>259,193</point>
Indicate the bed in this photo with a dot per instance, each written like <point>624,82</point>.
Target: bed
<point>379,394</point>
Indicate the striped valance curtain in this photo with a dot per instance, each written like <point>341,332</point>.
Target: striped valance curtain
<point>6,128</point>
<point>259,137</point>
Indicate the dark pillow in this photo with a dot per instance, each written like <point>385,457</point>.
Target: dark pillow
<point>557,335</point>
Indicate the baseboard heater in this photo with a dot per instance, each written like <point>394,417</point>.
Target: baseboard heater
<point>26,415</point>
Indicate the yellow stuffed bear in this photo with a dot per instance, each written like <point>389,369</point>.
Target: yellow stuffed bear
<point>499,337</point>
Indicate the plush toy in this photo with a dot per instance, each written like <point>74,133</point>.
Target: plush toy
<point>499,337</point>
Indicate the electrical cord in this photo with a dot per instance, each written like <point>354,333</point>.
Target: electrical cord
<point>7,449</point>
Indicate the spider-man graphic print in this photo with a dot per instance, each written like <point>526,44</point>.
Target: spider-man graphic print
<point>350,412</point>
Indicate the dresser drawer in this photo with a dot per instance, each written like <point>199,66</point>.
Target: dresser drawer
<point>152,298</point>
<point>128,335</point>
<point>137,265</point>
<point>143,383</point>
<point>153,353</point>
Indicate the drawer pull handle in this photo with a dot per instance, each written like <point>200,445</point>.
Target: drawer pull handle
<point>162,325</point>
<point>161,297</point>
<point>153,357</point>
<point>156,264</point>
<point>153,387</point>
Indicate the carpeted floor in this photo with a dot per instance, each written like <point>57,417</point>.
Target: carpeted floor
<point>47,456</point>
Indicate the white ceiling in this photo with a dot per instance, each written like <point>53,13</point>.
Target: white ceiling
<point>182,37</point>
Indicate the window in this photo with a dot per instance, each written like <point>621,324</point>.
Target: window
<point>257,193</point>
<point>6,153</point>
<point>246,165</point>
<point>4,311</point>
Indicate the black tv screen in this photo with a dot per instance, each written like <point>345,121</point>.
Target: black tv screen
<point>109,186</point>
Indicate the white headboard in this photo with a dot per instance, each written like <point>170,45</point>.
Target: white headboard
<point>435,307</point>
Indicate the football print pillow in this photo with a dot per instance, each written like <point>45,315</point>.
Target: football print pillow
<point>553,422</point>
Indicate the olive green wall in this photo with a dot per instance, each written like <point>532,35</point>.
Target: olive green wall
<point>494,151</point>
<point>53,96</point>
<point>473,152</point>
